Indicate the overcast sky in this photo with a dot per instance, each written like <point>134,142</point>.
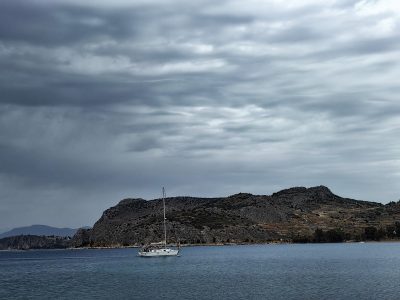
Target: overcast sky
<point>112,99</point>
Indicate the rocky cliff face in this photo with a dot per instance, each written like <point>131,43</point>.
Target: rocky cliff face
<point>239,218</point>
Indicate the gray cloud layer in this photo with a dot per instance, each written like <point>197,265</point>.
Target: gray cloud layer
<point>104,101</point>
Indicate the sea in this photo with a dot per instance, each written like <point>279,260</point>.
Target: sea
<point>273,271</point>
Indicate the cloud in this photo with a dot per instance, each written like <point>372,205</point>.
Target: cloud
<point>104,100</point>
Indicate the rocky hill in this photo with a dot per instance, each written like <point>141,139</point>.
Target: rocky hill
<point>295,214</point>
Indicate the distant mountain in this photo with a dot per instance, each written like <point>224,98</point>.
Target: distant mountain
<point>25,242</point>
<point>297,214</point>
<point>39,230</point>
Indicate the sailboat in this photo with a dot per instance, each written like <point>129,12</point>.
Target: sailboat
<point>159,249</point>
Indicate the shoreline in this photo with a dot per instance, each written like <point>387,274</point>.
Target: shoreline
<point>243,244</point>
<point>228,244</point>
<point>201,245</point>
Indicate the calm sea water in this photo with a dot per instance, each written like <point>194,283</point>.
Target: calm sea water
<point>324,271</point>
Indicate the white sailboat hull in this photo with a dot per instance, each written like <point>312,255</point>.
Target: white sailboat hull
<point>159,252</point>
<point>159,249</point>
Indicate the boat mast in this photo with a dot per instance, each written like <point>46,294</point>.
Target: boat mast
<point>165,228</point>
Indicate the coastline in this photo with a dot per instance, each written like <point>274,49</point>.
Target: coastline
<point>237,244</point>
<point>197,245</point>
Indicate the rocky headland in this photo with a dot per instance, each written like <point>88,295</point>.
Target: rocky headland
<point>297,214</point>
<point>293,215</point>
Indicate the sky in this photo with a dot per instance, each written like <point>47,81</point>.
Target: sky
<point>104,100</point>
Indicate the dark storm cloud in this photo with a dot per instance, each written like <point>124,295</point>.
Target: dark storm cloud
<point>54,24</point>
<point>104,100</point>
<point>82,91</point>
